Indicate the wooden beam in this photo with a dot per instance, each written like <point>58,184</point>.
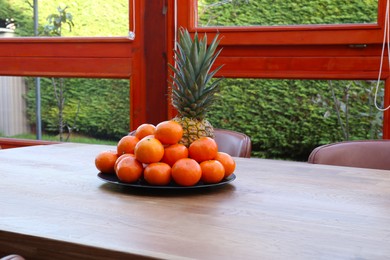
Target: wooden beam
<point>149,79</point>
<point>66,57</point>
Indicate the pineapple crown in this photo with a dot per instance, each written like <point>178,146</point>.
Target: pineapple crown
<point>192,91</point>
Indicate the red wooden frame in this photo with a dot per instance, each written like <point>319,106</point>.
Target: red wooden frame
<point>142,61</point>
<point>66,57</point>
<point>287,35</point>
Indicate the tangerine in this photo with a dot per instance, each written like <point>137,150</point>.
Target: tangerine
<point>227,161</point>
<point>144,130</point>
<point>212,171</point>
<point>174,152</point>
<point>157,174</point>
<point>105,161</point>
<point>186,172</point>
<point>203,149</point>
<point>120,158</point>
<point>126,144</point>
<point>149,150</point>
<point>129,169</point>
<point>169,132</point>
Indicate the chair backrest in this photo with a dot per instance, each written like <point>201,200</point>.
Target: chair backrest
<point>373,154</point>
<point>6,143</point>
<point>12,257</point>
<point>231,142</point>
<point>234,143</point>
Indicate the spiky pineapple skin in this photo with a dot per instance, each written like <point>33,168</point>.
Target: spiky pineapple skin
<point>194,129</point>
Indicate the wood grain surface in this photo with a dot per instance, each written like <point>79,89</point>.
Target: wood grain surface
<point>53,206</point>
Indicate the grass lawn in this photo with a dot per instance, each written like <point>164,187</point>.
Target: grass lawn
<point>74,139</point>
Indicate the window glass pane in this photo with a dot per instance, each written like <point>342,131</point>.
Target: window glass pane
<point>282,12</point>
<point>94,109</point>
<point>286,119</point>
<point>89,17</point>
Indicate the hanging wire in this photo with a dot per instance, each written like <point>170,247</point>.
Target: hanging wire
<point>132,29</point>
<point>386,34</point>
<point>175,21</point>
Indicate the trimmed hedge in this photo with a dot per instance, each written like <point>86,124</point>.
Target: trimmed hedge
<point>286,12</point>
<point>288,118</point>
<point>91,17</point>
<point>99,108</point>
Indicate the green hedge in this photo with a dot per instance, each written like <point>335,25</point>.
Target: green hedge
<point>288,118</point>
<point>286,12</point>
<point>91,17</point>
<point>95,107</point>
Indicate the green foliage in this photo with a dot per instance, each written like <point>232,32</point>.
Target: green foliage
<point>18,11</point>
<point>103,112</point>
<point>56,21</point>
<point>286,12</point>
<point>54,28</point>
<point>74,139</point>
<point>91,17</point>
<point>288,118</point>
<point>284,118</point>
<point>104,104</point>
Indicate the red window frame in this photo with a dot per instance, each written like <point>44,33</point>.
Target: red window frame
<point>289,35</point>
<point>103,57</point>
<point>342,51</point>
<point>295,52</point>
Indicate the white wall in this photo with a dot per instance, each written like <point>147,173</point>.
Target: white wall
<point>13,119</point>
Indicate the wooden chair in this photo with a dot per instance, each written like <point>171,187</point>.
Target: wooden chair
<point>373,154</point>
<point>231,142</point>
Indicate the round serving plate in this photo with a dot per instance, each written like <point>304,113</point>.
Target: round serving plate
<point>142,184</point>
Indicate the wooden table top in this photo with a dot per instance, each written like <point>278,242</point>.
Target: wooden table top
<point>53,206</point>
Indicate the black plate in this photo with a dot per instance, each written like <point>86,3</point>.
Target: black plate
<point>111,178</point>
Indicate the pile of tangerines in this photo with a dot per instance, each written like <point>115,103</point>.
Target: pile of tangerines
<point>154,154</point>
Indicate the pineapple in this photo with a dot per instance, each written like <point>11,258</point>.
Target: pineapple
<point>192,92</point>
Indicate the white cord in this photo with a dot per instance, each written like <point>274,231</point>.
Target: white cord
<point>132,30</point>
<point>386,35</point>
<point>175,48</point>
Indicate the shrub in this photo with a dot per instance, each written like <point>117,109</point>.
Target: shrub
<point>288,118</point>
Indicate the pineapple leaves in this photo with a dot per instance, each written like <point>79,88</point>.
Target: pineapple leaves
<point>192,91</point>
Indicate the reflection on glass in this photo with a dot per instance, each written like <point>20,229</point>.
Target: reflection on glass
<point>90,17</point>
<point>282,12</point>
<point>286,119</point>
<point>92,110</point>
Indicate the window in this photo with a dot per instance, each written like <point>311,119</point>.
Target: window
<point>96,18</point>
<point>343,28</point>
<point>91,108</point>
<point>279,13</point>
<point>103,57</point>
<point>345,45</point>
<point>288,118</point>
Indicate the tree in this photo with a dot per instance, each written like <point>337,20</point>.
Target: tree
<point>54,27</point>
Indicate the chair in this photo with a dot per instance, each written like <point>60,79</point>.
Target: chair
<point>6,143</point>
<point>231,142</point>
<point>373,154</point>
<point>234,143</point>
<point>12,257</point>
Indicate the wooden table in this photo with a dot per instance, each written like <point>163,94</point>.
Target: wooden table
<point>53,206</point>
